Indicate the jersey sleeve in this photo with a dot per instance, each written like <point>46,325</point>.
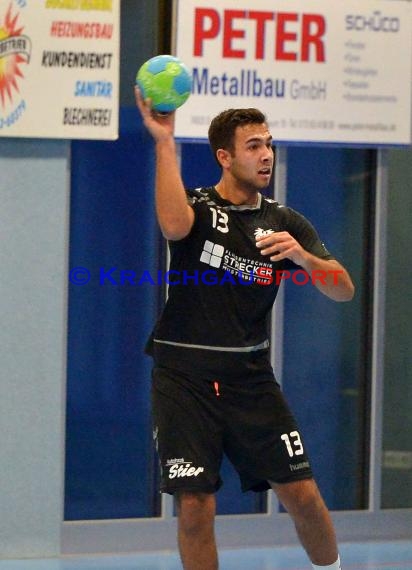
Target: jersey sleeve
<point>196,199</point>
<point>304,232</point>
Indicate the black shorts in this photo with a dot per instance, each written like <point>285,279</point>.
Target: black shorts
<point>198,417</point>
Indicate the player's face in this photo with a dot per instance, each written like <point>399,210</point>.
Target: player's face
<point>253,157</point>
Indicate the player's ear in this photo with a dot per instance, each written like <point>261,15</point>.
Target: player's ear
<point>224,157</point>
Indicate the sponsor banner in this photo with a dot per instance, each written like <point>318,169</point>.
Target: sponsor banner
<point>322,71</point>
<point>59,68</point>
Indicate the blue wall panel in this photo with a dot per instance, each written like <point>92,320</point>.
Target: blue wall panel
<point>322,375</point>
<point>110,465</point>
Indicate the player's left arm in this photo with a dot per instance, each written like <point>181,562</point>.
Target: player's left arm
<point>328,275</point>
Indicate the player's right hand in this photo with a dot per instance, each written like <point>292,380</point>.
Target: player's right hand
<point>160,125</point>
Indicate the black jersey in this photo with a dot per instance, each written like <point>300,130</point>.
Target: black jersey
<point>221,287</point>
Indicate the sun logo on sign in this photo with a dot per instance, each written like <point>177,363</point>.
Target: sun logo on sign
<point>14,51</point>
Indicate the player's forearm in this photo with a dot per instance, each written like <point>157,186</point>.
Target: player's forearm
<point>174,215</point>
<point>330,278</point>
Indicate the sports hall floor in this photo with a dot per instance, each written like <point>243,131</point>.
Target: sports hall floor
<point>394,555</point>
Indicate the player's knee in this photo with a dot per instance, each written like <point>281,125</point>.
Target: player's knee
<point>193,500</point>
<point>195,511</point>
<point>301,498</point>
<point>310,504</point>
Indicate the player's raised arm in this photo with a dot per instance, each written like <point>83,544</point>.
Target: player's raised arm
<point>174,215</point>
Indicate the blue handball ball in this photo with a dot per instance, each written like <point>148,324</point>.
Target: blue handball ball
<point>166,81</point>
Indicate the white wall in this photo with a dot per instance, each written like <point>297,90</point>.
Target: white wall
<point>33,257</point>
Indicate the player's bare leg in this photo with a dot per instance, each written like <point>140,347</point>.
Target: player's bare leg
<point>196,539</point>
<point>312,520</point>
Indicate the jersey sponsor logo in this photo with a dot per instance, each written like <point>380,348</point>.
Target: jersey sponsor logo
<point>247,270</point>
<point>178,467</point>
<point>212,254</point>
<point>264,275</point>
<point>260,232</point>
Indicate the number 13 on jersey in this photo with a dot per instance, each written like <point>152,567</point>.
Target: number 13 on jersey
<point>293,443</point>
<point>219,220</point>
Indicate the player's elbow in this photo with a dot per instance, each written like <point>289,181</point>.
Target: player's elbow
<point>345,293</point>
<point>176,225</point>
<point>349,292</point>
<point>174,231</point>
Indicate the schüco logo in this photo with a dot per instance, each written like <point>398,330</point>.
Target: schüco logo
<point>15,50</point>
<point>373,23</point>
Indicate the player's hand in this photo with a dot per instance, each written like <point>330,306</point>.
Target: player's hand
<point>281,245</point>
<point>160,125</point>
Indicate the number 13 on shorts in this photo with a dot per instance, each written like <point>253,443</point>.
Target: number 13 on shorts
<point>293,443</point>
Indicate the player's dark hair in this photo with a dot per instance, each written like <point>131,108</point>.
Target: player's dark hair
<point>223,126</point>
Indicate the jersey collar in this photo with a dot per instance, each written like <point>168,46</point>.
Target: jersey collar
<point>227,205</point>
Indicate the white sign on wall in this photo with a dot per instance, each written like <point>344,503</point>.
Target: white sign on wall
<point>59,68</point>
<point>323,71</point>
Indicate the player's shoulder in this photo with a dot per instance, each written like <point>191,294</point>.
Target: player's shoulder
<point>287,218</point>
<point>282,209</point>
<point>271,203</point>
<point>200,195</point>
<point>274,206</point>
